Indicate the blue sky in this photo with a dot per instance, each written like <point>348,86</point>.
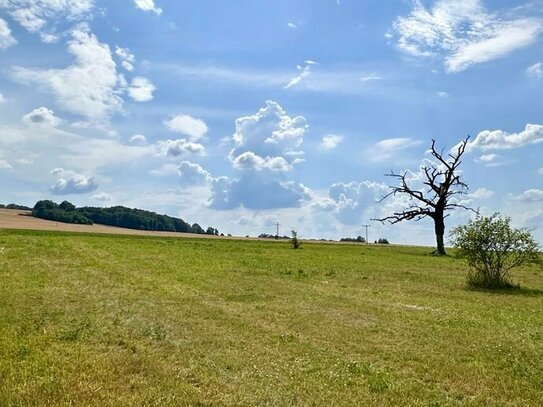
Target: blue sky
<point>245,113</point>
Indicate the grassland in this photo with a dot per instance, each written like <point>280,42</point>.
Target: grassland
<point>98,320</point>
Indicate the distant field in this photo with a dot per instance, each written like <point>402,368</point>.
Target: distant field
<point>14,219</point>
<point>103,320</point>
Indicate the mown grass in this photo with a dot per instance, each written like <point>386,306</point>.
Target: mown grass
<point>90,320</point>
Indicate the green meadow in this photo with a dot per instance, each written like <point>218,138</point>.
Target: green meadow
<point>102,320</point>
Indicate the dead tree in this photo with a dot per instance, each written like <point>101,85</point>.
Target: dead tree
<point>442,181</point>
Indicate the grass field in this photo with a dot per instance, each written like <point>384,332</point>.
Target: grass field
<point>98,320</point>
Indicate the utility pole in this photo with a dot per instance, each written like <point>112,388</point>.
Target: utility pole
<point>277,234</point>
<point>366,226</point>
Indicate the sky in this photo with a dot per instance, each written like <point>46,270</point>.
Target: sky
<point>246,113</point>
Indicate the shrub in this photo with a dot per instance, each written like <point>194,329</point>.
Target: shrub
<point>294,240</point>
<point>492,248</point>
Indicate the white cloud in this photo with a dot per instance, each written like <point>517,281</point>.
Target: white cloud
<point>347,81</point>
<point>180,147</point>
<point>6,39</point>
<point>148,5</point>
<point>303,72</point>
<point>4,165</point>
<point>126,57</point>
<point>192,174</point>
<point>350,202</point>
<point>165,170</point>
<point>464,32</point>
<point>292,25</point>
<point>490,160</point>
<point>250,161</point>
<point>256,191</point>
<point>187,125</point>
<point>371,77</point>
<point>141,89</point>
<point>331,141</point>
<point>102,197</point>
<point>388,148</point>
<point>540,171</point>
<point>535,70</point>
<point>138,139</point>
<point>265,150</point>
<point>43,16</point>
<point>509,37</point>
<point>268,134</point>
<point>498,139</point>
<point>531,195</point>
<point>72,183</point>
<point>41,116</point>
<point>90,87</point>
<point>482,193</point>
<point>2,98</point>
<point>442,94</point>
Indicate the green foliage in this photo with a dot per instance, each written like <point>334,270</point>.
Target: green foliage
<point>67,206</point>
<point>15,206</point>
<point>358,239</point>
<point>52,211</point>
<point>294,240</point>
<point>492,248</point>
<point>115,216</point>
<point>383,240</point>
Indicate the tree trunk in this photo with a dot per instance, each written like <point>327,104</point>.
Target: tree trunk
<point>439,224</point>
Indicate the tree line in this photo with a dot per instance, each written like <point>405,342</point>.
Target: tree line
<point>15,206</point>
<point>119,216</point>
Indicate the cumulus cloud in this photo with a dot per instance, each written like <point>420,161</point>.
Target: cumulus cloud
<point>349,202</point>
<point>6,39</point>
<point>256,191</point>
<point>303,72</point>
<point>72,183</point>
<point>499,139</point>
<point>2,98</point>
<point>464,32</point>
<point>41,116</point>
<point>531,195</point>
<point>90,87</point>
<point>148,5</point>
<point>250,161</point>
<point>180,147</point>
<point>187,125</point>
<point>192,174</point>
<point>535,70</point>
<point>331,141</point>
<point>265,150</point>
<point>126,57</point>
<point>43,16</point>
<point>266,135</point>
<point>388,148</point>
<point>141,89</point>
<point>138,139</point>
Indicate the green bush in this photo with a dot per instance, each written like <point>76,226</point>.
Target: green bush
<point>492,248</point>
<point>295,241</point>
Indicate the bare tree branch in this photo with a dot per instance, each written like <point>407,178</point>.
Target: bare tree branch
<point>443,182</point>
